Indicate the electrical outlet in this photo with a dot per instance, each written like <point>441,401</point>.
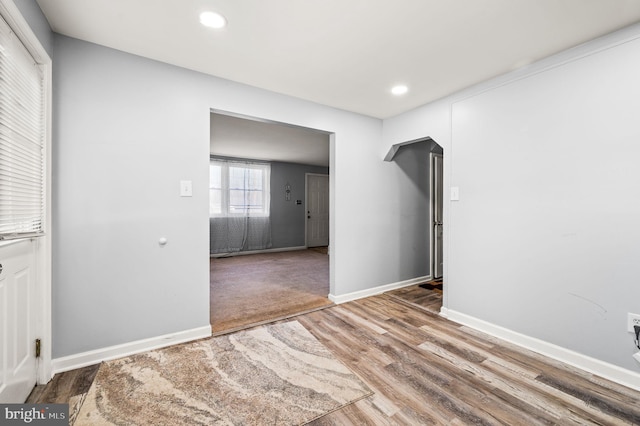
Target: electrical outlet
<point>632,319</point>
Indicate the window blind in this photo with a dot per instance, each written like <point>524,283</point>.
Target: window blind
<point>239,188</point>
<point>21,139</point>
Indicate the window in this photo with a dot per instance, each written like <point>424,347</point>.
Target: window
<point>22,139</point>
<point>238,189</point>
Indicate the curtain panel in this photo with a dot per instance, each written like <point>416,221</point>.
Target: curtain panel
<point>240,195</point>
<point>234,234</point>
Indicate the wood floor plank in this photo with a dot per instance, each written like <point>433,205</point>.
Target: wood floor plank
<point>440,393</point>
<point>525,365</point>
<point>528,397</point>
<point>63,386</point>
<point>559,376</point>
<point>379,378</point>
<point>36,394</point>
<point>518,354</point>
<point>593,398</point>
<point>419,297</point>
<point>548,408</point>
<point>351,415</point>
<point>463,387</point>
<point>59,390</point>
<point>424,369</point>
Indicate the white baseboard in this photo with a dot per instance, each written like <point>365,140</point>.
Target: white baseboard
<point>376,290</point>
<point>603,369</point>
<point>243,253</point>
<point>96,356</point>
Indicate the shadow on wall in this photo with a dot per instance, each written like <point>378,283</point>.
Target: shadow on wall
<point>413,159</point>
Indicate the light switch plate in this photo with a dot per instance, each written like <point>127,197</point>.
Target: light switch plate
<point>455,193</point>
<point>185,188</point>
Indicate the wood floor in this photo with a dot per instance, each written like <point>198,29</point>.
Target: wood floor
<point>424,369</point>
<point>420,297</point>
<point>64,386</point>
<point>427,370</point>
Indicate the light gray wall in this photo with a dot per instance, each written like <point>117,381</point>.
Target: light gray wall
<point>126,131</point>
<point>38,23</point>
<point>288,218</point>
<point>412,206</point>
<point>122,142</point>
<point>545,238</point>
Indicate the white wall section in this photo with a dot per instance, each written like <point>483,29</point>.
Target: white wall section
<point>544,240</point>
<point>128,130</point>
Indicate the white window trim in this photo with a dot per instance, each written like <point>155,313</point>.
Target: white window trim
<point>226,163</point>
<point>12,15</point>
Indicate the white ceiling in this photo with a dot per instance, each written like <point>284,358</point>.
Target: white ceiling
<point>345,53</point>
<point>244,138</point>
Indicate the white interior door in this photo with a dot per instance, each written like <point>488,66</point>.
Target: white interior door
<point>17,321</point>
<point>25,210</point>
<point>436,191</point>
<point>317,210</point>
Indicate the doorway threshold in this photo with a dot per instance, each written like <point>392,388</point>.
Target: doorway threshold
<point>269,321</point>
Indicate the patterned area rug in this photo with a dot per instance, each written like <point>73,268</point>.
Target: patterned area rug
<point>271,375</point>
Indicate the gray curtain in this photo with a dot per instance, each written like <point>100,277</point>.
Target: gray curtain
<point>239,204</point>
<point>234,234</point>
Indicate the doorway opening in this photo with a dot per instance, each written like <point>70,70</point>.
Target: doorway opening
<point>421,191</point>
<point>436,173</point>
<point>277,275</point>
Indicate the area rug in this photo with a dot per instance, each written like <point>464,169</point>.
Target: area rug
<point>271,375</point>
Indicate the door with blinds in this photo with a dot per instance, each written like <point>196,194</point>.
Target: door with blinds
<point>22,212</point>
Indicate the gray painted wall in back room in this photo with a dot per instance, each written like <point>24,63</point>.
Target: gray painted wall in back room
<point>288,218</point>
<point>413,205</point>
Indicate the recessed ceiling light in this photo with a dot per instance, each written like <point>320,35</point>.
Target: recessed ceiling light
<point>213,20</point>
<point>400,89</point>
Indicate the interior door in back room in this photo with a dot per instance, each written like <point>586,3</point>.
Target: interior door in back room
<point>317,203</point>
